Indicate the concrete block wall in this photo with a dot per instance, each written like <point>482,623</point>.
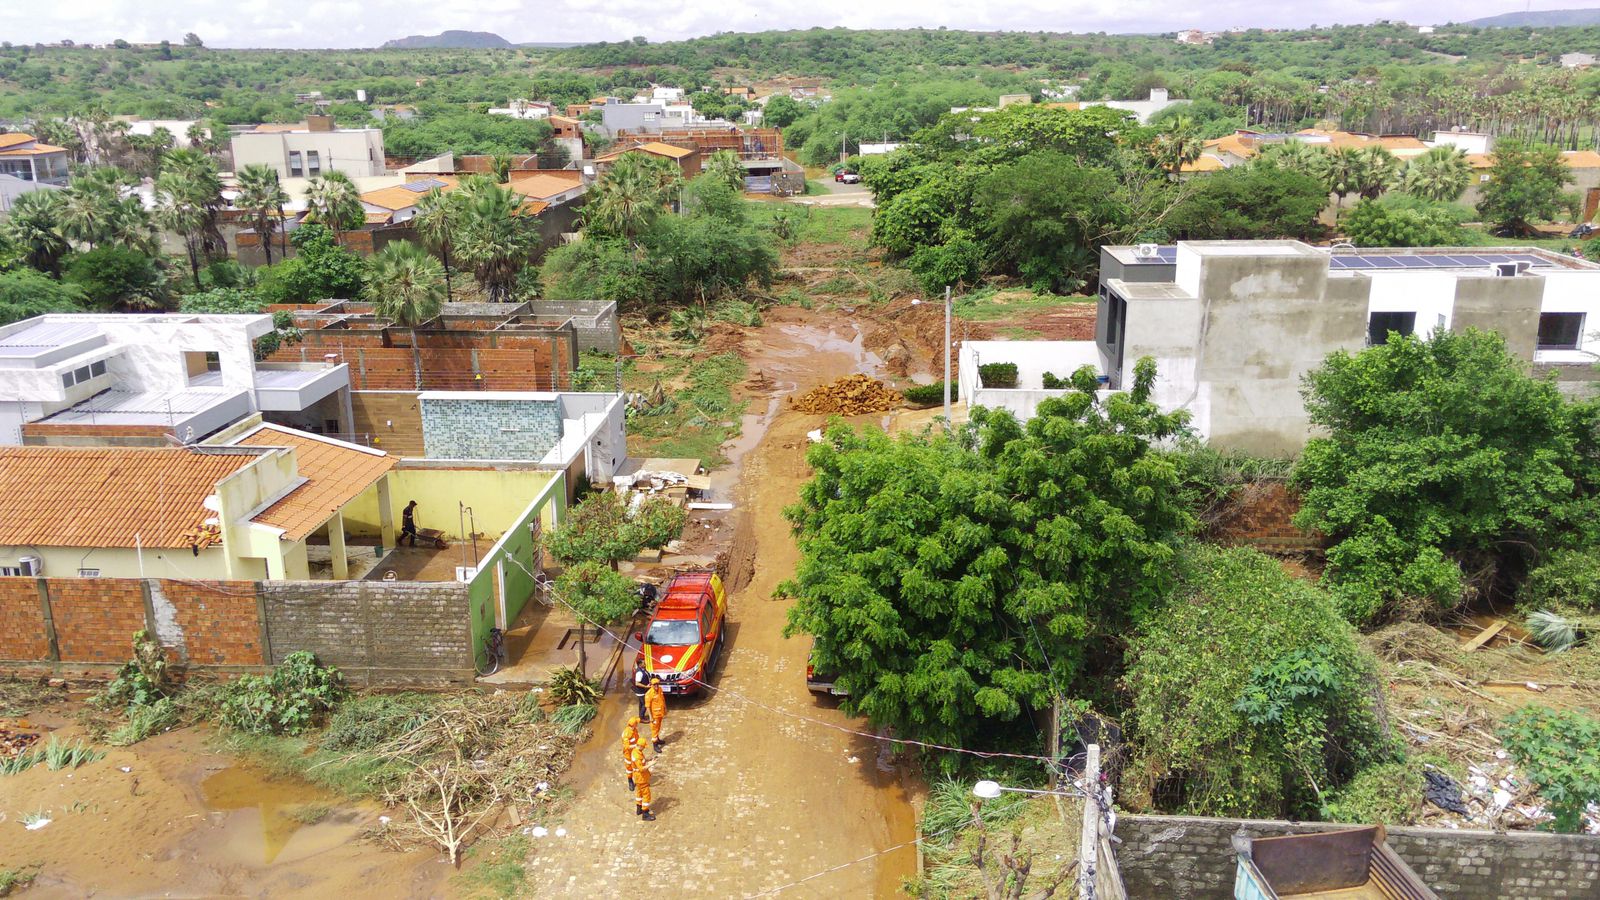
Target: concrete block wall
<point>594,322</point>
<point>1188,858</point>
<point>490,429</point>
<point>390,633</point>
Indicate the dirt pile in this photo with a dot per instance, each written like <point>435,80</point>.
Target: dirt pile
<point>852,395</point>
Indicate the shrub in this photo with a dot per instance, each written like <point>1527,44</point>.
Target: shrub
<point>141,681</point>
<point>1251,696</point>
<point>1391,793</point>
<point>930,394</point>
<point>365,722</point>
<point>572,718</point>
<point>144,722</point>
<point>1052,382</point>
<point>568,687</point>
<point>297,695</point>
<point>998,375</point>
<point>1566,580</point>
<point>1560,751</point>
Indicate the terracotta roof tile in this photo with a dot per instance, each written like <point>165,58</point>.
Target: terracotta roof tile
<point>654,148</point>
<point>107,497</point>
<point>335,474</point>
<point>539,185</point>
<point>401,197</point>
<point>15,138</point>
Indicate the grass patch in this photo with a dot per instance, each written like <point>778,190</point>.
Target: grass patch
<point>146,721</point>
<point>58,754</point>
<point>283,756</point>
<point>823,224</point>
<point>948,820</point>
<point>989,304</point>
<point>19,697</point>
<point>309,813</point>
<point>695,421</point>
<point>15,879</point>
<point>498,868</point>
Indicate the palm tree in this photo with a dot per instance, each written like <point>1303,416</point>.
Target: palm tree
<point>437,220</point>
<point>34,228</point>
<point>404,284</point>
<point>333,200</point>
<point>1441,174</point>
<point>205,186</point>
<point>1379,171</point>
<point>632,194</point>
<point>724,166</point>
<point>1295,156</point>
<point>494,238</point>
<point>1177,146</point>
<point>262,196</point>
<point>180,208</point>
<point>86,210</point>
<point>1343,172</point>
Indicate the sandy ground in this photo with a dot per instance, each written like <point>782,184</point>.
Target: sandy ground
<point>759,787</point>
<point>170,818</point>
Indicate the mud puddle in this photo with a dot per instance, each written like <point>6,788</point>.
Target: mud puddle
<point>271,818</point>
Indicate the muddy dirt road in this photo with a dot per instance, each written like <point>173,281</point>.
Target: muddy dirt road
<point>751,797</point>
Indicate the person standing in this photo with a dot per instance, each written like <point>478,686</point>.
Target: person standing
<point>408,523</point>
<point>656,702</point>
<point>641,683</point>
<point>630,740</point>
<point>641,783</point>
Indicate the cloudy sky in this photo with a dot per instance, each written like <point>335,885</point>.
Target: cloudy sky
<point>347,23</point>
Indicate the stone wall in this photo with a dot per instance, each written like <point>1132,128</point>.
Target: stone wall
<point>379,633</point>
<point>1185,858</point>
<point>473,428</point>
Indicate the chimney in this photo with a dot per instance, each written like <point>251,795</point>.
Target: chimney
<point>319,123</point>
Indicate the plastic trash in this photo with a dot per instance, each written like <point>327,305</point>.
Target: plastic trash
<point>1443,792</point>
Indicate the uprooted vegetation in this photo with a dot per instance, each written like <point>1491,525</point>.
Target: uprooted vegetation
<point>1012,846</point>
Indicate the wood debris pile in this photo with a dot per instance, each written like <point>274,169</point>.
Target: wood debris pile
<point>852,395</point>
<point>15,739</point>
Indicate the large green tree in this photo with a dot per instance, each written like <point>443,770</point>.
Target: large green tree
<point>118,279</point>
<point>495,237</point>
<point>404,284</point>
<point>1256,202</point>
<point>603,529</point>
<point>1527,184</point>
<point>956,583</point>
<point>25,293</point>
<point>1442,461</point>
<point>262,197</point>
<point>1442,174</point>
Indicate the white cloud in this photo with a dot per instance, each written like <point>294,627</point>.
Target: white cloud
<point>341,23</point>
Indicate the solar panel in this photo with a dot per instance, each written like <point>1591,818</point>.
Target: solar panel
<point>1384,262</point>
<point>1414,262</point>
<point>422,187</point>
<point>1338,262</point>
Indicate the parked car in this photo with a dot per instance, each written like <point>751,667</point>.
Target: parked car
<point>821,682</point>
<point>684,638</point>
<point>849,177</point>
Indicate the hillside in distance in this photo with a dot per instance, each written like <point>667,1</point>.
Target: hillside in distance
<point>450,40</point>
<point>1542,18</point>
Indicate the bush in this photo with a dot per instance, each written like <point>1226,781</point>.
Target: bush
<point>1560,751</point>
<point>930,394</point>
<point>1391,793</point>
<point>568,687</point>
<point>1567,580</point>
<point>998,375</point>
<point>145,722</point>
<point>141,681</point>
<point>365,722</point>
<point>1251,696</point>
<point>116,278</point>
<point>571,719</point>
<point>297,695</point>
<point>1400,220</point>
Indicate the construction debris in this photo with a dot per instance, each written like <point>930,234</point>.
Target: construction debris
<point>852,395</point>
<point>15,739</point>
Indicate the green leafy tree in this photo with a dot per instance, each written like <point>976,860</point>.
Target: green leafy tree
<point>33,229</point>
<point>781,111</point>
<point>263,198</point>
<point>1250,203</point>
<point>598,594</point>
<point>1251,696</point>
<point>1527,184</point>
<point>404,284</point>
<point>1442,174</point>
<point>957,262</point>
<point>602,529</point>
<point>956,583</point>
<point>322,270</point>
<point>1404,221</point>
<point>1441,457</point>
<point>723,166</point>
<point>1560,751</point>
<point>117,278</point>
<point>1045,214</point>
<point>25,293</point>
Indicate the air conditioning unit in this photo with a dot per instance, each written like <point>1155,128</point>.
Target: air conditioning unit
<point>31,566</point>
<point>1146,251</point>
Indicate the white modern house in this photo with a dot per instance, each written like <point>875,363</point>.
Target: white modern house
<point>1233,326</point>
<point>310,149</point>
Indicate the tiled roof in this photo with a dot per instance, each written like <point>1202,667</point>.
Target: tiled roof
<point>1575,159</point>
<point>278,128</point>
<point>15,138</point>
<point>401,197</point>
<point>107,497</point>
<point>335,474</point>
<point>1203,164</point>
<point>35,150</point>
<point>655,148</point>
<point>539,185</point>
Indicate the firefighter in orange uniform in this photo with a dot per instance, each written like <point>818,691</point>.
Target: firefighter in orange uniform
<point>641,783</point>
<point>656,702</point>
<point>630,739</point>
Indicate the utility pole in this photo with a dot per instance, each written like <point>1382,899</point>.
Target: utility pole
<point>947,356</point>
<point>843,153</point>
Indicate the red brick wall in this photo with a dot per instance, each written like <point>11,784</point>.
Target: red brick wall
<point>219,622</point>
<point>22,632</point>
<point>96,618</point>
<point>1261,515</point>
<point>46,429</point>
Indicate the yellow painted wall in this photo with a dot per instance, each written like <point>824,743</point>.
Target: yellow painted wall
<point>123,562</point>
<point>496,498</point>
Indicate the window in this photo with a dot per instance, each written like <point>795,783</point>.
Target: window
<point>10,571</point>
<point>66,379</point>
<point>81,374</point>
<point>1560,331</point>
<point>88,573</point>
<point>213,361</point>
<point>1380,324</point>
<point>313,163</point>
<point>296,167</point>
<point>96,369</point>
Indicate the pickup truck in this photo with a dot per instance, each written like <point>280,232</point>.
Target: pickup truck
<point>684,638</point>
<point>820,681</point>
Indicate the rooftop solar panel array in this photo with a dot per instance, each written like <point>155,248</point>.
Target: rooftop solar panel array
<point>1397,261</point>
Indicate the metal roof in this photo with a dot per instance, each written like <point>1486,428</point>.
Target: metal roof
<point>45,334</point>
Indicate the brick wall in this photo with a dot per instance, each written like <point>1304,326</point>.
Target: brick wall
<point>443,360</point>
<point>1184,858</point>
<point>490,429</point>
<point>378,632</point>
<point>209,623</point>
<point>1260,514</point>
<point>96,618</point>
<point>22,626</point>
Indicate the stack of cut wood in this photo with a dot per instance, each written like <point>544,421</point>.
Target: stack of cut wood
<point>852,395</point>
